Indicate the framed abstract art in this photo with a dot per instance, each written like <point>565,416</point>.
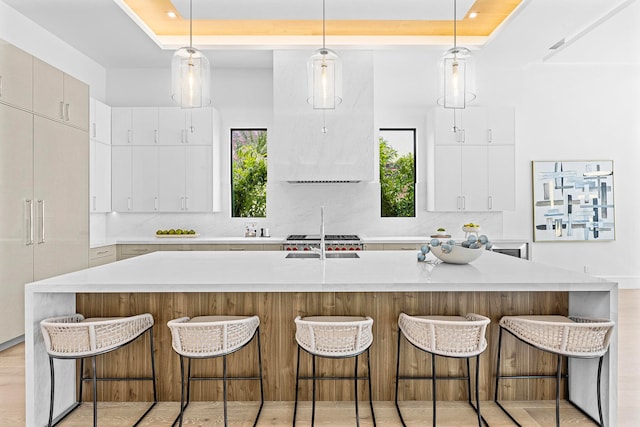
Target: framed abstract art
<point>573,201</point>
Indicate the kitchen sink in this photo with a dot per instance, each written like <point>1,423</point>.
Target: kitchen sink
<point>313,255</point>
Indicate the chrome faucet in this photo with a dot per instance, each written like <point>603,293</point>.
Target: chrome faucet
<point>321,250</point>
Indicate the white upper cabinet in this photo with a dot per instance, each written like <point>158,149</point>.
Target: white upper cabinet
<point>60,97</point>
<point>145,125</point>
<point>298,149</point>
<point>136,126</point>
<point>16,75</point>
<point>99,121</point>
<point>474,168</point>
<point>185,126</point>
<point>162,159</point>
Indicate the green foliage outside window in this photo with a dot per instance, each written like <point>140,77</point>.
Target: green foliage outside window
<point>249,173</point>
<point>397,182</point>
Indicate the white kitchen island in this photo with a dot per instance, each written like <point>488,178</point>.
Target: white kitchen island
<point>373,276</point>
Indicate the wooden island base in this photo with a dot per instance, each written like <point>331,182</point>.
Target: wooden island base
<point>277,329</point>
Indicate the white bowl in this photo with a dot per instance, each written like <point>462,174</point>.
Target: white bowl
<point>471,229</point>
<point>458,254</point>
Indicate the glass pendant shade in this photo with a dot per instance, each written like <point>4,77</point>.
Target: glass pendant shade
<point>190,78</point>
<point>457,78</point>
<point>324,79</point>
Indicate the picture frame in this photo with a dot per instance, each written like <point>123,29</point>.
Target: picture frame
<point>573,201</point>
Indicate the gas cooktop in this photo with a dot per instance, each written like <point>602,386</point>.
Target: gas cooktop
<point>326,237</point>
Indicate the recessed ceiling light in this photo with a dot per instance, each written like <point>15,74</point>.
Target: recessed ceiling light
<point>473,15</point>
<point>171,14</point>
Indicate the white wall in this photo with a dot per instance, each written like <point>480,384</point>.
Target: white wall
<point>582,112</point>
<point>35,40</point>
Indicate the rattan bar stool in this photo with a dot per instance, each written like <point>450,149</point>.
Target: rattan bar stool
<point>447,336</point>
<point>74,337</point>
<point>335,337</point>
<point>206,337</point>
<point>564,336</point>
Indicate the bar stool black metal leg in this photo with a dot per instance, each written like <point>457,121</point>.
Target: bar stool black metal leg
<point>599,392</point>
<point>153,366</point>
<point>224,387</point>
<point>433,386</point>
<point>355,389</point>
<point>495,396</point>
<point>260,373</point>
<point>313,393</point>
<point>398,379</point>
<point>469,380</point>
<point>81,380</point>
<point>53,386</point>
<point>558,375</point>
<point>95,392</point>
<point>477,393</point>
<point>373,415</point>
<point>182,391</point>
<point>295,404</point>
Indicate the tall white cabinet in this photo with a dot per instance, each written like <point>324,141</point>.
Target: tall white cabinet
<point>44,187</point>
<point>99,157</point>
<point>162,159</point>
<point>473,168</point>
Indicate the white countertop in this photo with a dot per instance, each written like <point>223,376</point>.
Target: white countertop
<point>374,271</point>
<point>200,240</point>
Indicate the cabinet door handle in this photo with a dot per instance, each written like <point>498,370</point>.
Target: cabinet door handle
<point>102,252</point>
<point>155,136</point>
<point>155,203</point>
<point>66,112</point>
<point>489,136</point>
<point>93,129</point>
<point>41,218</point>
<point>129,203</point>
<point>28,214</point>
<point>129,136</point>
<point>62,110</point>
<point>93,203</point>
<point>181,203</point>
<point>490,202</point>
<point>464,203</point>
<point>186,203</point>
<point>182,133</point>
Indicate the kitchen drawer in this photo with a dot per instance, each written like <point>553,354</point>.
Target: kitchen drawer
<point>373,247</point>
<point>401,246</point>
<point>102,255</point>
<point>271,247</point>
<point>129,251</point>
<point>186,247</point>
<point>240,247</point>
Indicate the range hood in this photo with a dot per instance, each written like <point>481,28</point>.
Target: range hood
<point>299,152</point>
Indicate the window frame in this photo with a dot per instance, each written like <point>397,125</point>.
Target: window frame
<point>415,166</point>
<point>231,199</point>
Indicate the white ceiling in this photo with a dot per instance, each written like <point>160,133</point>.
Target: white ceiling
<point>343,10</point>
<point>595,30</point>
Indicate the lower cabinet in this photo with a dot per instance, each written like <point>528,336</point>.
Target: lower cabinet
<point>125,251</point>
<point>102,255</point>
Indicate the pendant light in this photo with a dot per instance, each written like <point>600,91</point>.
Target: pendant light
<point>190,75</point>
<point>457,73</point>
<point>324,75</point>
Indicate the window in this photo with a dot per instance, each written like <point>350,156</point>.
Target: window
<point>249,173</point>
<point>397,172</point>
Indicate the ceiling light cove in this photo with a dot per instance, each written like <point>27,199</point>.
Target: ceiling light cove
<point>273,23</point>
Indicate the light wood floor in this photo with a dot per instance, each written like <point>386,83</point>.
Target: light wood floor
<point>538,413</point>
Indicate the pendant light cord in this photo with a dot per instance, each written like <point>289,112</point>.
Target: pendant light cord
<point>323,26</point>
<point>455,23</point>
<point>191,23</point>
